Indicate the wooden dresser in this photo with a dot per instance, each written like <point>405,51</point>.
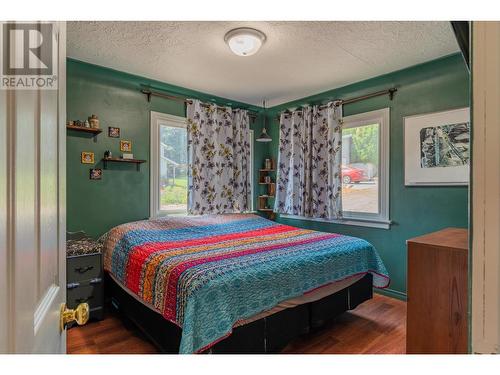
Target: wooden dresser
<point>437,293</point>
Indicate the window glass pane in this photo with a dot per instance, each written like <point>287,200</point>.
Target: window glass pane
<point>173,169</point>
<point>360,169</point>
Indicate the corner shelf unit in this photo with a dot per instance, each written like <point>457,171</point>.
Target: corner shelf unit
<point>93,131</point>
<point>263,204</point>
<point>137,162</point>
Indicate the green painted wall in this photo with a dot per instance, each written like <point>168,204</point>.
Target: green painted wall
<point>123,193</point>
<point>434,86</point>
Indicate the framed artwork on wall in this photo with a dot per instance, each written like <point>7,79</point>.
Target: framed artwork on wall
<point>437,148</point>
<point>113,132</point>
<point>95,174</point>
<point>87,157</point>
<point>125,146</point>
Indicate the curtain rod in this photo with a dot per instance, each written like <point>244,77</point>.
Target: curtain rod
<point>389,92</point>
<point>150,93</point>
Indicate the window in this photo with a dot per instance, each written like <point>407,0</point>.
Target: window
<point>365,170</point>
<point>169,165</point>
<point>365,166</point>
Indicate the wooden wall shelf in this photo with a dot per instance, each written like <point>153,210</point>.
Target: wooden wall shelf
<point>137,162</point>
<point>83,129</point>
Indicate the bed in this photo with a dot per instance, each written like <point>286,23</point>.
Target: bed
<point>236,281</point>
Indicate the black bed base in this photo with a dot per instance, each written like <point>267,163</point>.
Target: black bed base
<point>267,335</point>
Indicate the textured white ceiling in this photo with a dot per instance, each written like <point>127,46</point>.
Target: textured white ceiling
<point>298,59</point>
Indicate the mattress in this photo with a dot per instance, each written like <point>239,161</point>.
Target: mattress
<point>208,274</point>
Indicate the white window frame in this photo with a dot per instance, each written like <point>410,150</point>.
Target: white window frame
<point>380,220</point>
<point>156,119</point>
<point>179,122</point>
<point>381,117</point>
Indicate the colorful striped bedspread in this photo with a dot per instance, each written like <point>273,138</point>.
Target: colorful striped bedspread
<point>205,273</point>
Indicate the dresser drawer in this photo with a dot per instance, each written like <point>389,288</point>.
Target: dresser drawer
<point>83,267</point>
<point>88,293</point>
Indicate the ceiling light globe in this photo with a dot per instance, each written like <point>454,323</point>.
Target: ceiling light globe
<point>244,41</point>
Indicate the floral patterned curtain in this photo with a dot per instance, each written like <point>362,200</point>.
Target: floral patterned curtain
<point>218,158</point>
<point>309,163</point>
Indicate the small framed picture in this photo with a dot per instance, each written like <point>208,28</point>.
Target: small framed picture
<point>87,157</point>
<point>113,132</point>
<point>95,174</point>
<point>125,146</point>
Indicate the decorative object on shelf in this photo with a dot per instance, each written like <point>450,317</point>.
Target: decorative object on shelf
<point>113,132</point>
<point>137,162</point>
<point>86,124</point>
<point>87,157</point>
<point>437,148</point>
<point>95,174</point>
<point>108,154</point>
<point>267,179</point>
<point>271,190</point>
<point>268,164</point>
<point>94,122</point>
<point>264,137</point>
<point>127,156</point>
<point>70,123</point>
<point>125,146</point>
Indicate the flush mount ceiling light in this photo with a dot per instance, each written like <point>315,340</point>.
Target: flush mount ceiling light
<point>244,41</point>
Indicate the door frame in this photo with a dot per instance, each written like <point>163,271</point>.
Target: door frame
<point>485,189</point>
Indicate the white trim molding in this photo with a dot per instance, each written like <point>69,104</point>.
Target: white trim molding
<point>156,119</point>
<point>485,188</point>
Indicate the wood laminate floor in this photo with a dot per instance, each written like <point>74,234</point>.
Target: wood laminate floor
<point>377,326</point>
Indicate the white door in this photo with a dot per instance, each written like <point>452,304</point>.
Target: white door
<point>33,204</point>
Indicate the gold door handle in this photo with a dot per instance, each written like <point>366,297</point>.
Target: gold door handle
<point>80,315</point>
